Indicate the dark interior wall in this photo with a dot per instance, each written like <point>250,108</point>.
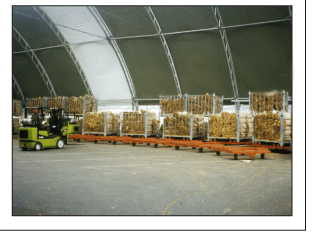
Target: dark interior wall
<point>183,18</point>
<point>62,72</point>
<point>29,78</point>
<point>262,57</point>
<point>149,67</point>
<point>237,15</point>
<point>201,63</point>
<point>127,21</point>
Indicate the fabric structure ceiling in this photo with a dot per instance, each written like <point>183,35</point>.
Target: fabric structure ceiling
<point>118,52</point>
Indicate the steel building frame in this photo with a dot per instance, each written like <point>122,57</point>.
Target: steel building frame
<point>166,48</point>
<point>17,88</point>
<point>114,45</point>
<point>69,48</point>
<point>35,60</point>
<point>225,42</point>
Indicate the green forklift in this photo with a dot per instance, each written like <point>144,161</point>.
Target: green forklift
<point>39,132</point>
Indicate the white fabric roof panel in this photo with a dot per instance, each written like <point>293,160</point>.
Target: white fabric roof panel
<point>98,59</point>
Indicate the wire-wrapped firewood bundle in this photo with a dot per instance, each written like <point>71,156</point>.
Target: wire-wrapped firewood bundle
<point>246,125</point>
<point>54,102</point>
<point>94,122</point>
<point>76,104</point>
<point>267,101</point>
<point>178,124</point>
<point>204,104</point>
<point>267,126</point>
<point>223,125</point>
<point>16,107</point>
<point>35,102</point>
<point>15,125</point>
<point>134,123</point>
<point>172,105</point>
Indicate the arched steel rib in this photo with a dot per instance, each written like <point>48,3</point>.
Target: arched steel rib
<point>69,48</point>
<point>35,60</point>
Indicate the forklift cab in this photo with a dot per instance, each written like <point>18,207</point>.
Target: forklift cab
<point>35,133</point>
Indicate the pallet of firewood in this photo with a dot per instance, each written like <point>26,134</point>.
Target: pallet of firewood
<point>135,123</point>
<point>268,101</point>
<point>16,107</point>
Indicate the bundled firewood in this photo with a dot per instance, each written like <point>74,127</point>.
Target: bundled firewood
<point>134,123</point>
<point>178,124</point>
<point>54,102</point>
<point>15,125</point>
<point>76,104</point>
<point>94,122</point>
<point>35,102</point>
<point>172,105</point>
<point>267,101</point>
<point>223,125</point>
<point>16,107</point>
<point>204,104</point>
<point>246,125</point>
<point>267,126</point>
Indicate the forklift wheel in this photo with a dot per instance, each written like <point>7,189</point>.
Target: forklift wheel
<point>60,144</point>
<point>38,146</point>
<point>24,148</point>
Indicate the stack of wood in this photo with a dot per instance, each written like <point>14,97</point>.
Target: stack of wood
<point>267,126</point>
<point>54,102</point>
<point>267,101</point>
<point>172,105</point>
<point>223,125</point>
<point>246,125</point>
<point>134,123</point>
<point>35,102</point>
<point>204,104</point>
<point>178,124</point>
<point>76,104</point>
<point>15,125</point>
<point>16,107</point>
<point>94,122</point>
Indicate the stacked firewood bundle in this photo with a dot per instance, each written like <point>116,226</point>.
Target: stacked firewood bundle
<point>54,102</point>
<point>178,124</point>
<point>134,123</point>
<point>246,125</point>
<point>35,102</point>
<point>76,104</point>
<point>204,104</point>
<point>267,101</point>
<point>16,107</point>
<point>172,105</point>
<point>267,126</point>
<point>223,125</point>
<point>15,125</point>
<point>94,122</point>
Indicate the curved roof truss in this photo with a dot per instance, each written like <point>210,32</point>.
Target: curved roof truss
<point>115,47</point>
<point>17,88</point>
<point>67,47</point>
<point>227,50</point>
<point>166,48</point>
<point>36,61</point>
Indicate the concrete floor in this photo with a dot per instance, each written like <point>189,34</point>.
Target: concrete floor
<point>104,179</point>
